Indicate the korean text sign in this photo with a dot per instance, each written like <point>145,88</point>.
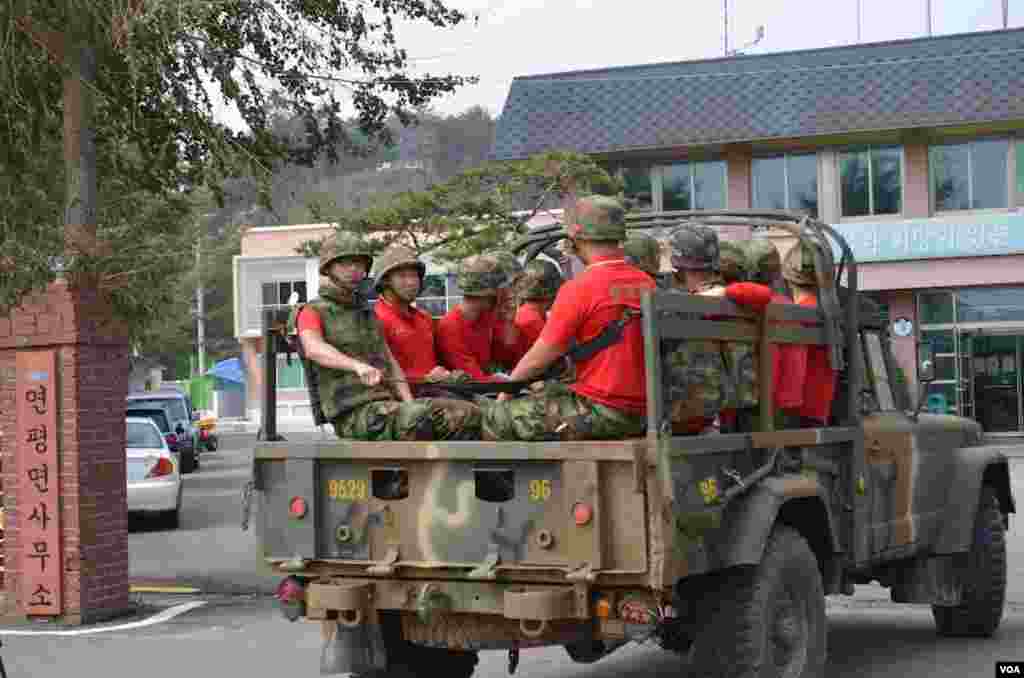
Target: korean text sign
<point>38,467</point>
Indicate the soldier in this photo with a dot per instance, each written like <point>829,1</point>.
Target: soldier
<point>698,385</point>
<point>820,380</point>
<point>408,330</point>
<point>732,261</point>
<point>789,361</point>
<point>608,398</point>
<point>478,336</point>
<point>362,387</point>
<point>644,252</point>
<point>537,289</point>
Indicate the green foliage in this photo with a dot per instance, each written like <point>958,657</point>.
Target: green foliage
<point>163,68</point>
<point>477,209</point>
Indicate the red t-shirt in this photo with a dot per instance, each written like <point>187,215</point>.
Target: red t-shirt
<point>789,365</point>
<point>309,319</point>
<point>472,346</point>
<point>410,336</point>
<point>584,306</point>
<point>530,321</point>
<point>820,382</point>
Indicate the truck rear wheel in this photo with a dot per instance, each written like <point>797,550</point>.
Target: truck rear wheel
<point>981,607</point>
<point>766,620</point>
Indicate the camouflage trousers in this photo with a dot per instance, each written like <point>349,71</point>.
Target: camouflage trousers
<point>556,413</point>
<point>418,419</point>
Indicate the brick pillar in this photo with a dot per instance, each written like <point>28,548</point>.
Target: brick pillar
<point>91,385</point>
<point>917,201</point>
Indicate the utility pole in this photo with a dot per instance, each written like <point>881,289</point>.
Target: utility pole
<point>200,309</point>
<point>725,33</point>
<point>858,21</point>
<point>1006,13</point>
<point>928,15</point>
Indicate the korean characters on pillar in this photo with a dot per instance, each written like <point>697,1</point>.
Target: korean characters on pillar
<point>38,465</point>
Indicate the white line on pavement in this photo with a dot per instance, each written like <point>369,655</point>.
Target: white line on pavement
<point>165,615</point>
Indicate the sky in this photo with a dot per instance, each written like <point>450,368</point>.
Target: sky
<point>528,37</point>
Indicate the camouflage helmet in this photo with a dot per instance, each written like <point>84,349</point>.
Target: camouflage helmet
<point>732,260</point>
<point>644,252</point>
<point>480,275</point>
<point>596,217</point>
<point>798,265</point>
<point>694,247</point>
<point>763,260</point>
<point>540,280</point>
<point>509,266</point>
<point>341,246</point>
<point>395,257</point>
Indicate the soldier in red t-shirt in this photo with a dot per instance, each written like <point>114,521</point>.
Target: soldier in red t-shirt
<point>478,336</point>
<point>538,286</point>
<point>820,381</point>
<point>409,331</point>
<point>608,398</point>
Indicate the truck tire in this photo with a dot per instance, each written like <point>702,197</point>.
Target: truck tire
<point>766,620</point>
<point>981,607</point>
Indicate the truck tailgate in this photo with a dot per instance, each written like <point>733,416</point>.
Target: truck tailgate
<point>485,507</point>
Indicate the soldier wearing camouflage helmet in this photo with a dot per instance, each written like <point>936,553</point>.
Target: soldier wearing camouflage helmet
<point>701,383</point>
<point>608,398</point>
<point>732,261</point>
<point>644,252</point>
<point>362,389</point>
<point>398,279</point>
<point>799,270</point>
<point>537,288</point>
<point>478,336</point>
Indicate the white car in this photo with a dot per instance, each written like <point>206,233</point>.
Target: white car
<point>154,475</point>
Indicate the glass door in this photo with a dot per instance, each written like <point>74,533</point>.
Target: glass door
<point>996,381</point>
<point>966,371</point>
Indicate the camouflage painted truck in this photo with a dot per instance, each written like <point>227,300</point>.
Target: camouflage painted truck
<point>414,556</point>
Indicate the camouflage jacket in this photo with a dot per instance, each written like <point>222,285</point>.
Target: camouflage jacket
<point>351,327</point>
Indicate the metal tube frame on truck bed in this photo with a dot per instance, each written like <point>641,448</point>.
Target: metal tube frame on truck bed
<point>654,505</point>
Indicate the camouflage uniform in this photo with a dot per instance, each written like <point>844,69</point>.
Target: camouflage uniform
<point>733,261</point>
<point>763,261</point>
<point>558,413</point>
<point>798,266</point>
<point>540,280</point>
<point>695,380</point>
<point>644,252</point>
<point>371,412</point>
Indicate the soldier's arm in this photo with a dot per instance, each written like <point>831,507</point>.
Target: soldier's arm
<point>319,351</point>
<point>537,359</point>
<point>401,386</point>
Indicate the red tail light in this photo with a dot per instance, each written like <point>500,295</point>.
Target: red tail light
<point>171,439</point>
<point>164,467</point>
<point>582,513</point>
<point>297,507</point>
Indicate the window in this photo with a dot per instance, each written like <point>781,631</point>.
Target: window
<point>693,185</point>
<point>638,189</point>
<point>872,181</point>
<point>290,376</point>
<point>278,293</point>
<point>970,175</point>
<point>142,435</point>
<point>786,182</point>
<point>935,308</point>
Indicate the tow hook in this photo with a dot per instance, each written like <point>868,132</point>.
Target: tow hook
<point>513,660</point>
<point>291,595</point>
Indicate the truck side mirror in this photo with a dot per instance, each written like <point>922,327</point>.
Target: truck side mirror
<point>925,373</point>
<point>926,369</point>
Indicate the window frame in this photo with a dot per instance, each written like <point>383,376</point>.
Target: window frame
<point>860,148</point>
<point>786,155</point>
<point>1012,195</point>
<point>877,369</point>
<point>658,180</point>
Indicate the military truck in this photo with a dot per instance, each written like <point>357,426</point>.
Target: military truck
<point>415,556</point>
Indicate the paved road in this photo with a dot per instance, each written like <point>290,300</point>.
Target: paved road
<point>242,637</point>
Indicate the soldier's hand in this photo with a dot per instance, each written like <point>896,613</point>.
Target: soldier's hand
<point>437,374</point>
<point>368,374</point>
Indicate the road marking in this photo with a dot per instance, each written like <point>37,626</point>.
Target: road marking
<point>160,617</point>
<point>146,588</point>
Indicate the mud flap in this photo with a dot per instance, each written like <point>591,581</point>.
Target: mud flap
<point>352,649</point>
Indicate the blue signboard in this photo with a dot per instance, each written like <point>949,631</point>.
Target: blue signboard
<point>967,236</point>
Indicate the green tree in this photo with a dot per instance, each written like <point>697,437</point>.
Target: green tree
<point>479,208</point>
<point>143,76</point>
